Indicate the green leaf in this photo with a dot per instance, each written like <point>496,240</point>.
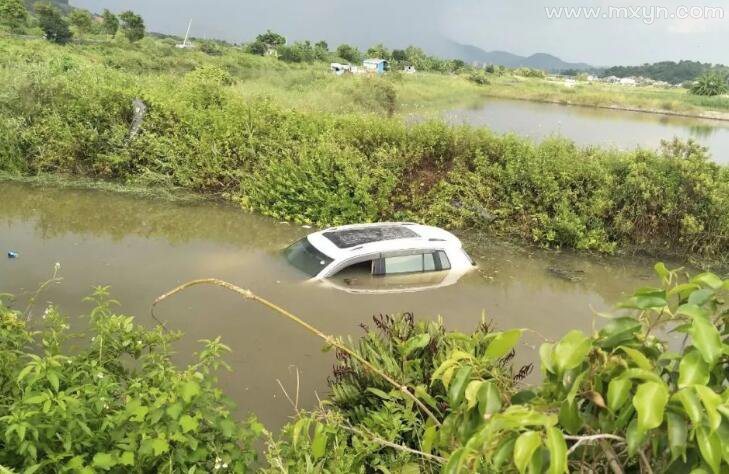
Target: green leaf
<point>188,390</point>
<point>646,298</point>
<point>380,393</point>
<point>502,344</point>
<point>663,273</point>
<point>429,438</point>
<point>415,343</point>
<point>618,393</point>
<point>174,410</point>
<point>700,297</point>
<point>557,451</point>
<point>706,339</point>
<point>545,354</point>
<point>618,331</point>
<point>638,357</point>
<point>458,386</point>
<point>127,458</point>
<point>692,370</point>
<point>634,438</point>
<point>136,411</point>
<point>160,446</point>
<point>708,279</point>
<point>710,448</point>
<point>505,452</point>
<point>571,351</point>
<point>677,434</point>
<point>104,461</point>
<point>472,392</point>
<point>53,380</point>
<point>524,448</point>
<point>641,374</point>
<point>691,404</point>
<point>711,400</point>
<point>319,443</point>
<point>692,311</point>
<point>650,402</point>
<point>569,417</point>
<point>188,423</point>
<point>489,399</point>
<point>455,461</point>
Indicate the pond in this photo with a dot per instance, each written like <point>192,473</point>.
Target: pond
<point>143,247</point>
<point>593,126</point>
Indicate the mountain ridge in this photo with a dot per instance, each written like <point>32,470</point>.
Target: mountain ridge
<point>474,54</point>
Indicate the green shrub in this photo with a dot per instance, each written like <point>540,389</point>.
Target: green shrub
<point>115,403</point>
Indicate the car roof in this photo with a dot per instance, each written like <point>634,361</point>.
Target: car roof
<point>351,240</point>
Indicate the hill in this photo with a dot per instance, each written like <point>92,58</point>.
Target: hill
<point>473,54</point>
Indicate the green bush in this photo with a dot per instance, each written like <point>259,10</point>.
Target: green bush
<point>116,402</point>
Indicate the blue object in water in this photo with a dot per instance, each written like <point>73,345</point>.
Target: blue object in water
<point>12,254</point>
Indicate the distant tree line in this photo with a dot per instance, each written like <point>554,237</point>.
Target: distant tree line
<point>668,71</point>
<point>271,43</point>
<point>59,23</point>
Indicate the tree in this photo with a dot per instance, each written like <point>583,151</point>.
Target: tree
<point>378,51</point>
<point>323,45</point>
<point>13,13</point>
<point>399,55</point>
<point>257,47</point>
<point>82,20</point>
<point>111,22</point>
<point>53,25</point>
<point>271,39</point>
<point>132,25</point>
<point>710,83</point>
<point>349,53</point>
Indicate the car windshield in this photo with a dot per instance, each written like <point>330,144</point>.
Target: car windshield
<point>306,257</point>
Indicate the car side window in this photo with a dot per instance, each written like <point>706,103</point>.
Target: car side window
<point>404,264</point>
<point>416,263</point>
<point>443,262</point>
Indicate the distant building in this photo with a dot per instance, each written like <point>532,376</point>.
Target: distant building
<point>409,69</point>
<point>375,65</point>
<point>628,81</point>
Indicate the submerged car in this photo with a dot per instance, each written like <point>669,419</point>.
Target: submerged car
<point>381,258</point>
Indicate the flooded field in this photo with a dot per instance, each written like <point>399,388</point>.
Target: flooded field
<point>142,248</point>
<point>592,126</point>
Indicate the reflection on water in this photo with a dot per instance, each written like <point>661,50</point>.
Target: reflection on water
<point>143,248</point>
<point>592,126</point>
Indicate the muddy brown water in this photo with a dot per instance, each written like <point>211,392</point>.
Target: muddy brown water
<point>593,126</point>
<point>144,247</point>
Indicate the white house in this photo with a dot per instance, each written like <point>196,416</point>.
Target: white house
<point>628,81</point>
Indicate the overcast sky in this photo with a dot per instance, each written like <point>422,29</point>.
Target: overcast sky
<point>517,26</point>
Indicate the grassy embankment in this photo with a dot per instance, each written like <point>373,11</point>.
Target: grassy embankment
<point>235,126</point>
<point>650,99</point>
